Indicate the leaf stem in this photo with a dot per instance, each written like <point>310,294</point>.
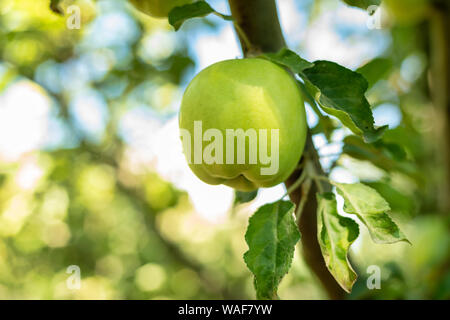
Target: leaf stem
<point>318,179</point>
<point>306,187</point>
<point>297,183</point>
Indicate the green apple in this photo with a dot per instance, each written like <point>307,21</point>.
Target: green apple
<point>243,124</point>
<point>158,8</point>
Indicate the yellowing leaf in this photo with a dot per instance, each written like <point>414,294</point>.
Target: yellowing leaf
<point>335,235</point>
<point>372,209</point>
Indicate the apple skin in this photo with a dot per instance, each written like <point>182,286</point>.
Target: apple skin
<point>246,94</point>
<point>158,8</point>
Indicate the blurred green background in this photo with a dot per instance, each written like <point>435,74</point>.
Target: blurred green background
<point>91,172</point>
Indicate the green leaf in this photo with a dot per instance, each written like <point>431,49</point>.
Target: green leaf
<point>385,155</point>
<point>363,4</point>
<point>391,150</point>
<point>199,9</point>
<point>341,93</point>
<point>375,70</point>
<point>409,139</point>
<point>335,235</point>
<point>375,152</point>
<point>372,209</point>
<point>271,237</point>
<point>290,59</point>
<point>243,197</point>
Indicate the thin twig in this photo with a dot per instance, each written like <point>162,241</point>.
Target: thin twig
<point>297,183</point>
<point>306,187</point>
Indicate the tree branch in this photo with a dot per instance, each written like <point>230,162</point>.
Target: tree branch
<point>259,20</point>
